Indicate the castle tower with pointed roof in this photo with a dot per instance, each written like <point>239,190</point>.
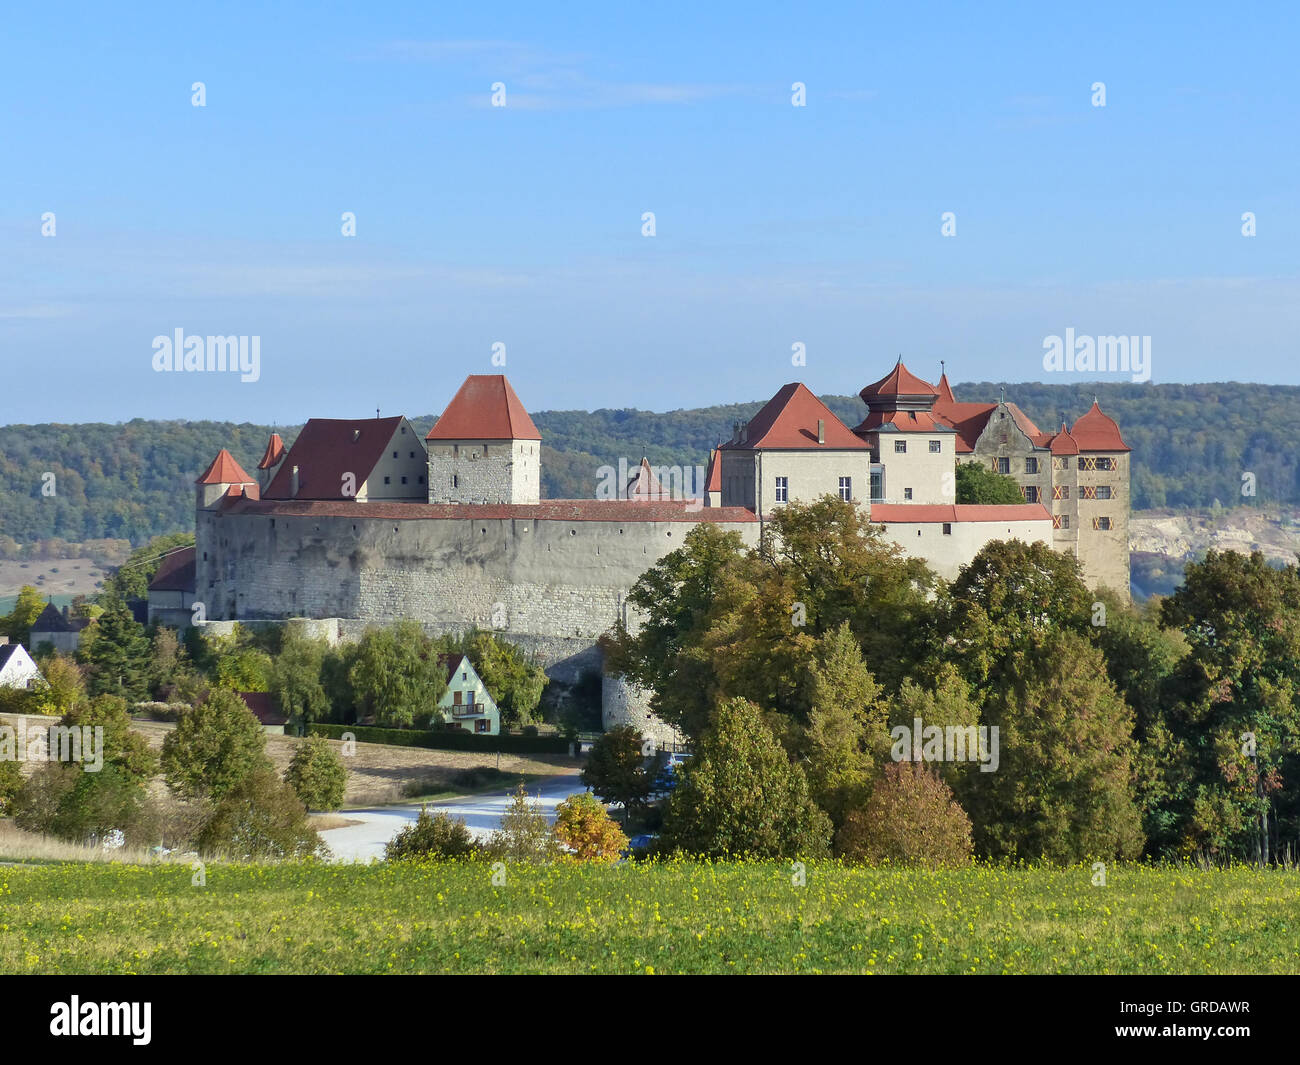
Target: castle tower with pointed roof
<point>485,448</point>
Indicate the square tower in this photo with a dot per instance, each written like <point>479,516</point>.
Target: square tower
<point>485,448</point>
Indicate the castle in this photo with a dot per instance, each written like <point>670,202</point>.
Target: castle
<point>362,522</point>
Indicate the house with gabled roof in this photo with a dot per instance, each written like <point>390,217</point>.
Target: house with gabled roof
<point>57,628</point>
<point>361,459</point>
<point>467,704</point>
<point>793,450</point>
<point>17,668</point>
<point>171,591</point>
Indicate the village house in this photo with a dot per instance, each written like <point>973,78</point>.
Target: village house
<point>467,703</point>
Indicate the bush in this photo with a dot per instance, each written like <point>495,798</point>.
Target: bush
<point>11,780</point>
<point>431,836</point>
<point>213,747</point>
<point>63,800</point>
<point>524,835</point>
<point>479,776</point>
<point>259,817</point>
<point>740,796</point>
<point>317,774</point>
<point>583,825</point>
<point>910,819</point>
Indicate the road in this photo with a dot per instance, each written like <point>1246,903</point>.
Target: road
<point>481,813</point>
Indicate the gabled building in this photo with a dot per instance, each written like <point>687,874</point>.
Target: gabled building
<point>1080,474</point>
<point>484,448</point>
<point>171,592</point>
<point>58,629</point>
<point>467,703</point>
<point>793,450</point>
<point>17,669</point>
<point>362,459</point>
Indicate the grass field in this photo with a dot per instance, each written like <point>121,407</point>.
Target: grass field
<point>656,918</point>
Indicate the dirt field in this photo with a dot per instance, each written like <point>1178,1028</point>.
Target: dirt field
<point>380,774</point>
<point>55,576</point>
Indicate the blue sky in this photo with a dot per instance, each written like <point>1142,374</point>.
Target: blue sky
<point>522,224</point>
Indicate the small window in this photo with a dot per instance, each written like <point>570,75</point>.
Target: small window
<point>936,446</point>
<point>783,490</point>
<point>412,454</point>
<point>1004,465</point>
<point>388,480</point>
<point>1061,462</point>
<point>947,528</point>
<point>1103,491</point>
<point>900,447</point>
<point>907,493</point>
<point>1031,465</point>
<point>1101,523</point>
<point>846,489</point>
<point>1065,521</point>
<point>394,454</point>
<point>421,478</point>
<point>455,480</point>
<point>403,480</point>
<point>1030,492</point>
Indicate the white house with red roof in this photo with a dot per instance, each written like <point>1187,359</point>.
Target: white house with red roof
<point>793,450</point>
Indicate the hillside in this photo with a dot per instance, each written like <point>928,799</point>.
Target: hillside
<point>1191,445</point>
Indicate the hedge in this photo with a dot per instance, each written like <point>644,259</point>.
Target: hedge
<point>443,741</point>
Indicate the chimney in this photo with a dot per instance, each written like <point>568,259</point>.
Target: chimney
<point>735,432</point>
<point>744,432</point>
<point>293,483</point>
<point>821,430</point>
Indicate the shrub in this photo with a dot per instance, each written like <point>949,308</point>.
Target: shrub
<point>317,774</point>
<point>583,825</point>
<point>431,836</point>
<point>11,780</point>
<point>740,796</point>
<point>479,776</point>
<point>259,817</point>
<point>213,747</point>
<point>524,835</point>
<point>910,819</point>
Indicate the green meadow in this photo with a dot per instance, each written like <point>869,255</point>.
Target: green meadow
<point>651,918</point>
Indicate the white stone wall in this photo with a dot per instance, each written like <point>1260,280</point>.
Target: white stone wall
<point>946,553</point>
<point>404,464</point>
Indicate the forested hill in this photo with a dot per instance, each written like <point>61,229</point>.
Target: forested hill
<point>1191,445</point>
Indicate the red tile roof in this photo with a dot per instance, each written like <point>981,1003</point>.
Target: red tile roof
<point>900,381</point>
<point>485,408</point>
<point>1097,432</point>
<point>789,420</point>
<point>328,448</point>
<point>643,485</point>
<point>1063,443</point>
<point>713,475</point>
<point>225,470</point>
<point>903,421</point>
<point>274,452</point>
<point>175,572</point>
<point>926,513</point>
<point>621,511</point>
